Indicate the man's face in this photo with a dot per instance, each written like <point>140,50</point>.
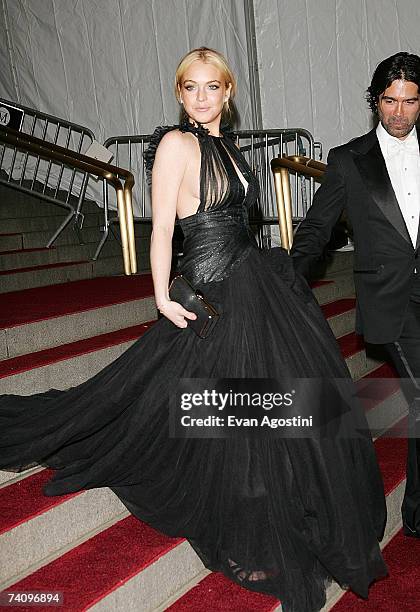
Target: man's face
<point>399,108</point>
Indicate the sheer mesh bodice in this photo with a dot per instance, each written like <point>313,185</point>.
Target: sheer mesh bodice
<point>219,186</point>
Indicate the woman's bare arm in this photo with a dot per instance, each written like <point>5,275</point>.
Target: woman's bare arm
<point>168,172</point>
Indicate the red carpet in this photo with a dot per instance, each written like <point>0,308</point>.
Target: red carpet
<point>398,593</point>
<point>39,303</point>
<point>392,455</point>
<point>216,593</point>
<point>337,307</point>
<point>386,370</point>
<point>23,363</point>
<point>19,307</point>
<point>62,264</point>
<point>34,249</point>
<point>350,344</point>
<point>320,283</point>
<point>103,563</point>
<point>376,386</point>
<point>23,500</point>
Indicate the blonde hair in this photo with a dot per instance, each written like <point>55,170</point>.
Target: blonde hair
<point>207,56</point>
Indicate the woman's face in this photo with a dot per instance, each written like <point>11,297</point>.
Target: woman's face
<point>203,93</point>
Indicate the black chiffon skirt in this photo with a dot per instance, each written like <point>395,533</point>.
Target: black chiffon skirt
<point>280,516</point>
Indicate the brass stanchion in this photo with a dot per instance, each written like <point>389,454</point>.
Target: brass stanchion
<point>287,200</point>
<point>281,196</point>
<point>130,229</point>
<point>122,216</point>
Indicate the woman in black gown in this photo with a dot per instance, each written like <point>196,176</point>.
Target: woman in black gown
<point>280,516</point>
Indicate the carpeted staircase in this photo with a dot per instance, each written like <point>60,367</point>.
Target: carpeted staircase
<point>26,225</point>
<point>62,319</point>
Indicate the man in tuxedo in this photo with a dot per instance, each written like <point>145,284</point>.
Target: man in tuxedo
<point>376,178</point>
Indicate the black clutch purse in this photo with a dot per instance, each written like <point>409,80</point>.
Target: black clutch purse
<point>182,292</point>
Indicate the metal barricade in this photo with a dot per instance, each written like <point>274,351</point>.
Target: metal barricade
<point>258,146</point>
<point>120,179</point>
<point>47,179</point>
<point>127,153</point>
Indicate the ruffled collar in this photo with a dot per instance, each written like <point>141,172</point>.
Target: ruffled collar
<point>198,130</point>
<point>202,133</point>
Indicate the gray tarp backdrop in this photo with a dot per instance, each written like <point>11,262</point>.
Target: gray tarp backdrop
<point>109,64</point>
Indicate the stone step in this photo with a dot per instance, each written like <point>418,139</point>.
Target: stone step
<point>15,203</point>
<point>11,241</point>
<point>40,238</point>
<point>335,261</point>
<point>89,235</point>
<point>56,522</point>
<point>40,276</point>
<point>82,323</point>
<point>159,565</point>
<point>341,315</point>
<point>46,223</point>
<point>353,350</point>
<point>338,285</point>
<point>12,260</point>
<point>20,335</point>
<point>67,365</point>
<point>64,272</point>
<point>7,478</point>
<point>391,454</point>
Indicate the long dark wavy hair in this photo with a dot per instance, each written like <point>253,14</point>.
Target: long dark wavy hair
<point>403,65</point>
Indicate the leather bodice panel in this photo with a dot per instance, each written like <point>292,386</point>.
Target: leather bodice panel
<point>215,242</point>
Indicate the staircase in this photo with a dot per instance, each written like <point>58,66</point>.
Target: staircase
<point>86,545</point>
<point>27,223</point>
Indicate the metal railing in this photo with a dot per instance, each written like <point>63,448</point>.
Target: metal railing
<point>128,153</point>
<point>258,147</point>
<point>73,161</point>
<point>65,187</point>
<point>282,167</point>
<point>52,129</point>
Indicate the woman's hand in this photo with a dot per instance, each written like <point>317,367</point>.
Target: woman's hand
<point>176,313</point>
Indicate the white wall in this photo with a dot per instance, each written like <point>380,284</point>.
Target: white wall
<point>110,64</point>
<point>316,59</point>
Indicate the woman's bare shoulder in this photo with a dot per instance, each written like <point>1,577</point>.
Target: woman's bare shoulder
<point>179,142</point>
<point>176,150</point>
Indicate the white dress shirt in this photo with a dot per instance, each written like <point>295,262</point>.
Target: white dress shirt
<point>402,159</point>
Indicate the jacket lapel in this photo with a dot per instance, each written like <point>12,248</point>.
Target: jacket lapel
<point>418,230</point>
<point>372,168</point>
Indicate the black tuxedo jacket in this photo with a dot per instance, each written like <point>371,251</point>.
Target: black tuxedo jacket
<point>384,259</point>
